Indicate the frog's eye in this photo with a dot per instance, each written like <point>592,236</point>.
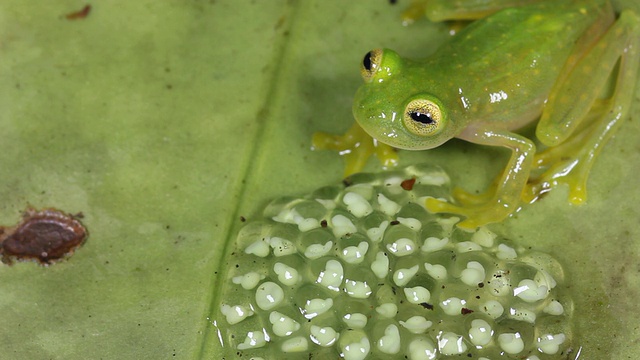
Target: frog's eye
<point>370,64</point>
<point>423,117</point>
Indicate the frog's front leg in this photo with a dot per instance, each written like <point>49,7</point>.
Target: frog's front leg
<point>575,151</point>
<point>503,197</point>
<point>357,147</point>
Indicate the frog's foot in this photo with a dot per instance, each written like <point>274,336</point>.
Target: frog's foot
<point>357,147</point>
<point>476,215</point>
<point>503,196</point>
<point>570,172</point>
<point>560,165</point>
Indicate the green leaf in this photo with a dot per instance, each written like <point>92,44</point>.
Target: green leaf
<point>164,122</point>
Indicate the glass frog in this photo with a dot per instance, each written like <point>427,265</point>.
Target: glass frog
<point>547,61</point>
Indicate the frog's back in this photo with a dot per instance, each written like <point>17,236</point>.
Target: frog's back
<point>513,57</point>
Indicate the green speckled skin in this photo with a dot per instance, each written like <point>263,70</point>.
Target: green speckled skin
<point>498,72</point>
<point>549,61</point>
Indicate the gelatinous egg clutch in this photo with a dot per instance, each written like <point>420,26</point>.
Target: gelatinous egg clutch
<point>363,271</point>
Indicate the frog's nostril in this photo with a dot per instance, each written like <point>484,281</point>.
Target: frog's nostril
<point>366,62</point>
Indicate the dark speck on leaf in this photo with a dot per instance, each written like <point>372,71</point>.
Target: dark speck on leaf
<point>427,306</point>
<point>394,222</point>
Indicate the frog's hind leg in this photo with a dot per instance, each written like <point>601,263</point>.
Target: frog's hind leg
<point>357,147</point>
<point>576,155</point>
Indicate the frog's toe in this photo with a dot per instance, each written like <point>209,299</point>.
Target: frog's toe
<point>577,194</point>
<point>435,206</point>
<point>466,198</point>
<point>356,159</point>
<point>356,146</point>
<point>324,141</point>
<point>387,155</point>
<point>474,222</point>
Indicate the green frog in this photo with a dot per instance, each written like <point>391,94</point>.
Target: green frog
<point>545,61</point>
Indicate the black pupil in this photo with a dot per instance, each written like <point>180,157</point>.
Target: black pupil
<point>367,61</point>
<point>424,118</point>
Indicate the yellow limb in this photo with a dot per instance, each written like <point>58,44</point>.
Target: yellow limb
<point>356,146</point>
<point>503,197</point>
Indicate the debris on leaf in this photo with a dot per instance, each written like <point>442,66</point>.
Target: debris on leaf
<point>80,14</point>
<point>44,236</point>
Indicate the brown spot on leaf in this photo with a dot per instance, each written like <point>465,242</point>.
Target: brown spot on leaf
<point>80,14</point>
<point>45,236</point>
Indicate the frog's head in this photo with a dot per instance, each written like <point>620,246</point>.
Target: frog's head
<point>392,106</point>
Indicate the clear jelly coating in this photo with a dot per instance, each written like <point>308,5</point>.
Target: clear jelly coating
<point>362,271</point>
